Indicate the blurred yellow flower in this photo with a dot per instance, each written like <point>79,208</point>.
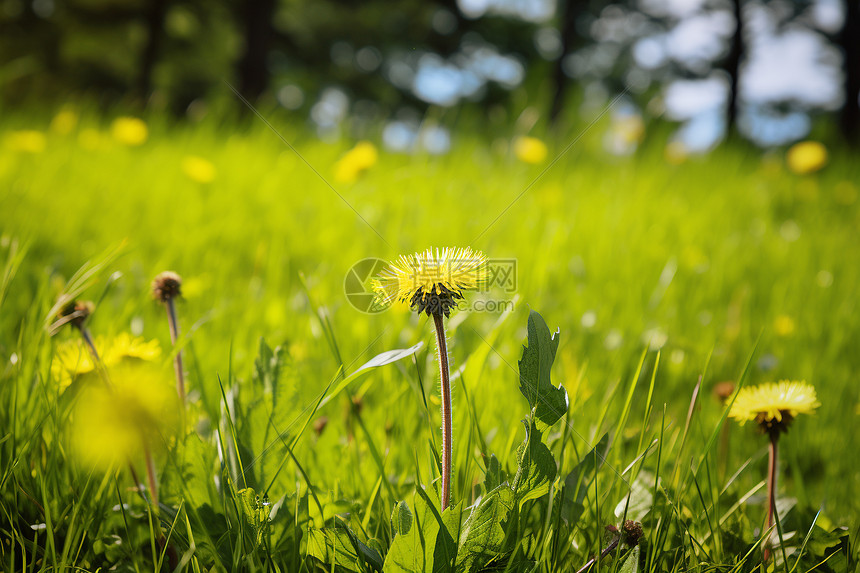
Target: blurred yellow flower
<point>806,157</point>
<point>129,130</point>
<point>355,162</point>
<point>629,128</point>
<point>72,360</point>
<point>530,149</point>
<point>198,169</point>
<point>774,405</point>
<point>783,325</point>
<point>64,122</point>
<point>115,424</point>
<point>28,141</point>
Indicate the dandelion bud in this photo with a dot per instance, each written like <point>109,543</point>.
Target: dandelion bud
<point>166,286</point>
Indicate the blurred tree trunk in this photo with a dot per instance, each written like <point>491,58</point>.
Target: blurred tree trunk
<point>256,18</point>
<point>733,67</point>
<point>154,34</point>
<point>849,41</point>
<point>570,12</point>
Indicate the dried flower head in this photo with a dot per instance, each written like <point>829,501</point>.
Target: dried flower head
<point>632,532</point>
<point>431,281</point>
<point>773,406</point>
<point>166,286</point>
<point>75,313</point>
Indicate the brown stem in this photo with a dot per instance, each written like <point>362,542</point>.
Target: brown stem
<point>442,352</point>
<point>771,490</point>
<point>609,549</point>
<point>177,360</point>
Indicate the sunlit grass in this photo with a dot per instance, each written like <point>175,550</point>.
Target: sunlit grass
<point>713,261</point>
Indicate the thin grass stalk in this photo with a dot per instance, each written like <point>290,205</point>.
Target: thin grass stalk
<point>177,360</point>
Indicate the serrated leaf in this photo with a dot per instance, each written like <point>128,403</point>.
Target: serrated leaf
<point>483,535</point>
<point>535,466</point>
<point>577,481</point>
<point>430,545</point>
<point>549,403</point>
<point>401,518</point>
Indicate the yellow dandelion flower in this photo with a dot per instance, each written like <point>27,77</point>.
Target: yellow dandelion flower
<point>198,169</point>
<point>806,157</point>
<point>355,162</point>
<point>72,360</point>
<point>113,424</point>
<point>784,325</point>
<point>27,141</point>
<point>431,281</point>
<point>64,122</point>
<point>774,405</point>
<point>530,149</point>
<point>129,131</point>
<point>125,346</point>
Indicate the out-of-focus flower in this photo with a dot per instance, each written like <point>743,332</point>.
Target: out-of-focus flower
<point>806,157</point>
<point>774,405</point>
<point>783,325</point>
<point>198,169</point>
<point>116,423</point>
<point>530,149</point>
<point>129,131</point>
<point>72,360</point>
<point>355,162</point>
<point>625,134</point>
<point>676,153</point>
<point>27,141</point>
<point>64,122</point>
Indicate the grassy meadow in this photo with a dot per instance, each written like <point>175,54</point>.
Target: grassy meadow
<point>665,276</point>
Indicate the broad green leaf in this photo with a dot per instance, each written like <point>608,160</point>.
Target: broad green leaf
<point>483,535</point>
<point>549,403</point>
<point>401,518</point>
<point>641,498</point>
<point>430,545</point>
<point>577,481</point>
<point>630,561</point>
<point>535,467</point>
<point>494,474</point>
<point>339,545</point>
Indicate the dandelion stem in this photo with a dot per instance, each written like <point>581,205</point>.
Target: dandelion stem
<point>150,476</point>
<point>442,352</point>
<point>771,489</point>
<point>177,360</point>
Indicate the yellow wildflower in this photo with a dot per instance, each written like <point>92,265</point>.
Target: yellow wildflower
<point>355,162</point>
<point>431,281</point>
<point>129,131</point>
<point>116,423</point>
<point>198,169</point>
<point>774,405</point>
<point>27,140</point>
<point>530,149</point>
<point>806,157</point>
<point>784,325</point>
<point>72,360</point>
